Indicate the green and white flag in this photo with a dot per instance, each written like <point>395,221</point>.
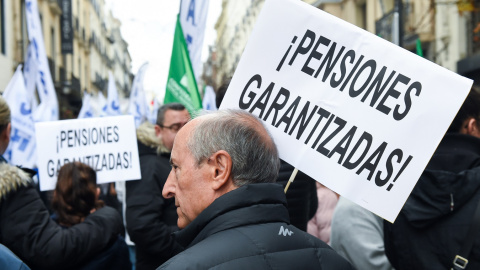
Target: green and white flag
<point>181,83</point>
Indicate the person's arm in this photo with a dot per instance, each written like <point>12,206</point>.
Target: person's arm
<point>145,212</point>
<point>357,235</point>
<point>27,229</point>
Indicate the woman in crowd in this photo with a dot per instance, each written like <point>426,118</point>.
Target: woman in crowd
<point>76,197</point>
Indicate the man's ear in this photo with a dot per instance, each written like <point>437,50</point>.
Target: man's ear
<point>158,130</point>
<point>471,127</point>
<point>221,163</point>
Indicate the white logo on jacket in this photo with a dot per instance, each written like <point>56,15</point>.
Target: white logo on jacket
<point>284,231</point>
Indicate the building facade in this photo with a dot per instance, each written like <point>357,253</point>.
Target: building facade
<point>82,43</point>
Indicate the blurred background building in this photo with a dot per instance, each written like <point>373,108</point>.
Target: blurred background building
<point>82,41</point>
<point>446,32</point>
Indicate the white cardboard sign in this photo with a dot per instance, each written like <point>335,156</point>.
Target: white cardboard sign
<point>355,112</point>
<point>107,144</point>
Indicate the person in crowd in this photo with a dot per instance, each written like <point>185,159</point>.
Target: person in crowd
<point>27,229</point>
<point>357,235</point>
<point>435,224</point>
<point>75,197</point>
<point>231,213</point>
<point>150,219</point>
<point>320,224</point>
<point>301,196</point>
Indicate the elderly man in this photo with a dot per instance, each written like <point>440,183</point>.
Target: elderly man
<point>231,214</point>
<point>150,218</point>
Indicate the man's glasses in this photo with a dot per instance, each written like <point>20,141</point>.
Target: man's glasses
<point>174,127</point>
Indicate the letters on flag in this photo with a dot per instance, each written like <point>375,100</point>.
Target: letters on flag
<point>21,150</point>
<point>113,104</point>
<point>48,108</point>
<point>344,106</point>
<point>138,106</point>
<point>181,83</point>
<point>193,17</point>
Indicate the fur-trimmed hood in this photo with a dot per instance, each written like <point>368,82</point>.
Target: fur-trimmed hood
<point>11,178</point>
<point>146,135</point>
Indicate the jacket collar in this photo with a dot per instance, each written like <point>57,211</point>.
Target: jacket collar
<point>249,204</point>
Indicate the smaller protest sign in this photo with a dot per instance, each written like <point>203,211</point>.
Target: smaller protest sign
<point>107,144</point>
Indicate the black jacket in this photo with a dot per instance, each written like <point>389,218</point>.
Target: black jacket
<point>27,229</point>
<point>434,221</point>
<point>247,228</point>
<point>150,218</point>
<point>302,199</point>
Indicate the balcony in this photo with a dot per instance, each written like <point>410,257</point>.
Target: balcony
<point>55,6</point>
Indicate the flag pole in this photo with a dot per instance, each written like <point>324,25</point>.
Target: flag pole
<point>292,177</point>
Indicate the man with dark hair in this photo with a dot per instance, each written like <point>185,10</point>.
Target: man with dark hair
<point>433,226</point>
<point>231,212</point>
<point>150,219</point>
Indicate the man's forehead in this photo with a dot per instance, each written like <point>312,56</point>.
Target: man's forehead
<point>173,115</point>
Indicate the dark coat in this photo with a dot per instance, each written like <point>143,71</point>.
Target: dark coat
<point>27,229</point>
<point>434,222</point>
<point>150,218</point>
<point>248,228</point>
<point>302,199</point>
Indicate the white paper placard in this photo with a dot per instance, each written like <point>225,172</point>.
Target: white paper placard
<point>107,144</point>
<point>355,112</point>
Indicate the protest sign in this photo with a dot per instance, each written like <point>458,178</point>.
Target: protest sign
<point>108,145</point>
<point>355,112</point>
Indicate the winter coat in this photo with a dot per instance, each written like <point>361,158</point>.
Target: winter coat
<point>8,260</point>
<point>248,228</point>
<point>150,219</point>
<point>302,199</point>
<point>28,231</point>
<point>433,224</point>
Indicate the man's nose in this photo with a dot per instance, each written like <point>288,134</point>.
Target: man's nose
<point>169,189</point>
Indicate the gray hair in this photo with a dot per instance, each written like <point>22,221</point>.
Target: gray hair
<point>244,137</point>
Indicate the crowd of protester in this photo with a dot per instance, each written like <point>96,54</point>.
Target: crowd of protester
<point>212,196</point>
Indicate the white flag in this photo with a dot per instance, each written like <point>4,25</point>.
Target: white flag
<point>113,104</point>
<point>209,103</point>
<point>48,108</point>
<point>152,117</point>
<point>30,71</point>
<point>87,110</point>
<point>193,17</point>
<point>22,148</point>
<point>138,106</point>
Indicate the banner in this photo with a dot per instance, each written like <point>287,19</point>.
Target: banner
<point>107,144</point>
<point>30,72</point>
<point>348,108</point>
<point>209,102</point>
<point>152,117</point>
<point>181,83</point>
<point>48,108</point>
<point>86,111</point>
<point>138,106</point>
<point>66,27</point>
<point>193,17</point>
<point>21,150</point>
<point>113,105</point>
